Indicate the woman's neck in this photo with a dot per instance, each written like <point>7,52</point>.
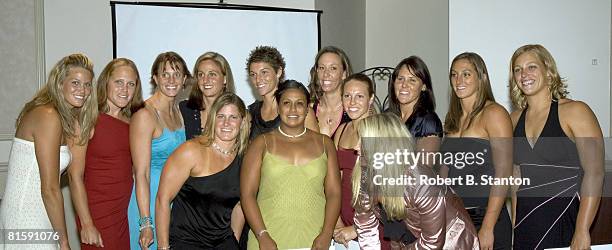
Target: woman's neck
<point>407,110</point>
<point>467,104</point>
<point>540,100</point>
<point>331,99</point>
<point>162,102</point>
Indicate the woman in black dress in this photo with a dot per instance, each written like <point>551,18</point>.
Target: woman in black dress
<point>411,98</point>
<point>266,69</point>
<point>213,77</point>
<point>559,147</point>
<point>202,180</point>
<point>476,125</point>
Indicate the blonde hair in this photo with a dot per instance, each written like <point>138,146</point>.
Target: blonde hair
<point>136,101</point>
<point>223,100</point>
<point>557,87</point>
<point>83,118</point>
<point>382,133</point>
<point>455,111</point>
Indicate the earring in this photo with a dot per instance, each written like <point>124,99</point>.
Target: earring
<point>423,88</point>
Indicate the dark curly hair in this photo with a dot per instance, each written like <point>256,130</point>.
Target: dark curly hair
<point>269,55</point>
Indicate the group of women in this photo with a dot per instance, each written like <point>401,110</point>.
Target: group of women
<point>295,168</point>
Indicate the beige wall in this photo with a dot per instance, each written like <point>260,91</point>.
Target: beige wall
<point>396,29</point>
<point>343,25</point>
<point>19,79</point>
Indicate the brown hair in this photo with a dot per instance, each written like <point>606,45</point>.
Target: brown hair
<point>453,117</point>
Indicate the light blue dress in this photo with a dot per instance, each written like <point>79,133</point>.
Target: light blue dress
<point>161,148</point>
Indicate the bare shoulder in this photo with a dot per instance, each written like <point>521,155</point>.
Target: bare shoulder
<point>573,107</point>
<point>44,114</point>
<point>188,150</point>
<point>494,112</point>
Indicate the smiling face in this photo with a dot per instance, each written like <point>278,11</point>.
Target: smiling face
<point>264,78</point>
<point>356,100</point>
<point>121,87</point>
<point>170,80</point>
<point>211,79</point>
<point>530,74</point>
<point>330,71</point>
<point>293,107</point>
<point>76,87</point>
<point>227,123</point>
<point>407,86</point>
<point>464,79</point>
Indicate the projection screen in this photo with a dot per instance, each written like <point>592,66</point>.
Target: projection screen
<point>143,30</point>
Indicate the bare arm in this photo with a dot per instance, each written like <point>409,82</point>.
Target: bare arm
<point>499,128</point>
<point>250,176</point>
<point>89,233</point>
<point>142,128</point>
<point>589,143</point>
<point>175,172</point>
<point>47,139</point>
<point>332,196</point>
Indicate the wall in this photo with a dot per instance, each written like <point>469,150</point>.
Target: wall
<point>343,25</point>
<point>575,33</point>
<point>396,29</point>
<point>22,21</point>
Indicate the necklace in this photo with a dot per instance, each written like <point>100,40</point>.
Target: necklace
<point>221,150</point>
<point>291,136</point>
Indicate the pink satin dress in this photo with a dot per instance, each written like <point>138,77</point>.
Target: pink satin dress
<point>434,213</point>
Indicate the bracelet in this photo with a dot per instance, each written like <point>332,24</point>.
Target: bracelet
<point>145,220</point>
<point>163,248</point>
<point>145,226</point>
<point>260,233</point>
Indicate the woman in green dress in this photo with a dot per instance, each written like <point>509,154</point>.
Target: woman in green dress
<point>289,182</point>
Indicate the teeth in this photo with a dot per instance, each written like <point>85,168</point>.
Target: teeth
<point>460,87</point>
<point>326,82</point>
<point>208,86</point>
<point>123,96</point>
<point>171,87</point>
<point>79,97</point>
<point>353,109</point>
<point>260,86</point>
<point>292,116</point>
<point>226,130</point>
<point>527,82</point>
<point>404,92</point>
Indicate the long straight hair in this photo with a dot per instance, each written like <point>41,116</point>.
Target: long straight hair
<point>484,94</point>
<point>83,118</point>
<point>381,133</point>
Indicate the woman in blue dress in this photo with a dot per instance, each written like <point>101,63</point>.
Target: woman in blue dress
<point>155,131</point>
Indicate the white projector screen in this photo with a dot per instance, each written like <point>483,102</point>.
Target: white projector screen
<point>142,31</point>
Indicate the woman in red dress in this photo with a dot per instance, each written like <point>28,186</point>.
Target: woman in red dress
<point>101,171</point>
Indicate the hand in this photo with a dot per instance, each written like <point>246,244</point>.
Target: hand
<point>486,239</point>
<point>91,236</point>
<point>344,235</point>
<point>321,242</point>
<point>581,240</point>
<point>146,237</point>
<point>266,242</point>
